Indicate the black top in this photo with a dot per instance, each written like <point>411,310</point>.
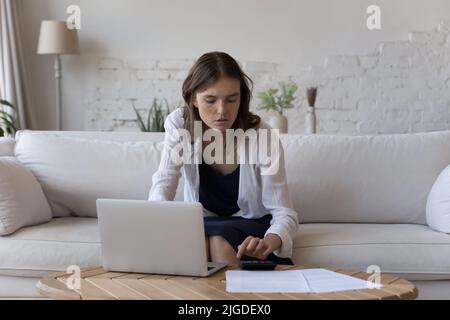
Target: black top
<point>219,193</point>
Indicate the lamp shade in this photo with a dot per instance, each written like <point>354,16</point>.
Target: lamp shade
<point>56,38</point>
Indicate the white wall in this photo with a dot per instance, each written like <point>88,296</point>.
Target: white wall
<point>291,34</point>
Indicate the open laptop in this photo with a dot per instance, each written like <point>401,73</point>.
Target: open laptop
<point>164,237</point>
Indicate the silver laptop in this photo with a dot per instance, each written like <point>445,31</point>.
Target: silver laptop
<point>164,237</point>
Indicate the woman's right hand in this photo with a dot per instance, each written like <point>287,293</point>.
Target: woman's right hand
<point>259,248</point>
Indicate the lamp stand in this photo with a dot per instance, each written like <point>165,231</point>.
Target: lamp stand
<point>58,77</point>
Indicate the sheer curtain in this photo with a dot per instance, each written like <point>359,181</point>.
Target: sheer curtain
<point>12,68</point>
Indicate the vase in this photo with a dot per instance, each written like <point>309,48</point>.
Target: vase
<point>280,122</point>
<point>310,121</point>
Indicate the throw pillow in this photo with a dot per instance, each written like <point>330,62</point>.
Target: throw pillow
<point>438,203</point>
<point>22,201</point>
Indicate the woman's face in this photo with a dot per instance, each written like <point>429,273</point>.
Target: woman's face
<point>218,105</point>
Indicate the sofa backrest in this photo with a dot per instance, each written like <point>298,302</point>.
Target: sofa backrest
<point>364,179</point>
<point>76,168</point>
<point>331,178</point>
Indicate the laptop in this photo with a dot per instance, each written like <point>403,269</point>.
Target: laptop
<point>163,237</point>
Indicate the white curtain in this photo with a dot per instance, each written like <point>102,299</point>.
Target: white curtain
<point>12,68</point>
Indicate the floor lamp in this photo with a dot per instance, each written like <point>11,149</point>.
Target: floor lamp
<point>55,38</point>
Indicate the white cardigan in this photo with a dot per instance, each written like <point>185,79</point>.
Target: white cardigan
<point>259,194</point>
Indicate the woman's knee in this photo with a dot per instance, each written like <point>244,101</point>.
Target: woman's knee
<point>217,241</point>
<point>222,251</point>
<point>218,245</point>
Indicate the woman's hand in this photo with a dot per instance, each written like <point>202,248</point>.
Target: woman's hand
<point>259,248</point>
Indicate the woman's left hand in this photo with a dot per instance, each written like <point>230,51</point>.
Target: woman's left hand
<point>259,248</point>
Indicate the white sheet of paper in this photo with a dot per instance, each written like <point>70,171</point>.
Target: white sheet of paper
<point>265,281</point>
<point>322,280</point>
<point>300,281</point>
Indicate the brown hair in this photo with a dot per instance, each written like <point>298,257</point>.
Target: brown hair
<point>208,69</point>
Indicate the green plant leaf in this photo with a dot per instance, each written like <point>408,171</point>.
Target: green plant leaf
<point>287,97</point>
<point>150,115</point>
<point>5,115</point>
<point>139,117</point>
<point>7,103</point>
<point>268,100</point>
<point>271,101</point>
<point>156,116</point>
<point>8,124</point>
<point>7,120</point>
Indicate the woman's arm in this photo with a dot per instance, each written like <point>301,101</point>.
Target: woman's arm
<point>165,179</point>
<point>276,199</point>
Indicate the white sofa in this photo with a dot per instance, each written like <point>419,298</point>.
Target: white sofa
<point>361,201</point>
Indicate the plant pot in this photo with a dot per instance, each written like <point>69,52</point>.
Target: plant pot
<point>310,121</point>
<point>280,122</point>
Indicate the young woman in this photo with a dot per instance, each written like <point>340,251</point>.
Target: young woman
<point>247,214</point>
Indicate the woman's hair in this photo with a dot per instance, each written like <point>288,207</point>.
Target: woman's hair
<point>208,69</point>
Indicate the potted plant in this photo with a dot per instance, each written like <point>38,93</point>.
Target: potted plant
<point>7,120</point>
<point>272,101</point>
<point>156,116</point>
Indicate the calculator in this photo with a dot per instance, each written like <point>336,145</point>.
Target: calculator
<point>257,265</point>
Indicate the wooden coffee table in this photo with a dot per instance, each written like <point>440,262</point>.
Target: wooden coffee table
<point>96,283</point>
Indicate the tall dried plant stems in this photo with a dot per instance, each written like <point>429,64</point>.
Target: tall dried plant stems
<point>311,94</point>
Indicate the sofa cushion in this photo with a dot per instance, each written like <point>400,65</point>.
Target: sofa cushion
<point>412,251</point>
<point>438,203</point>
<point>6,147</point>
<point>53,246</point>
<point>364,179</point>
<point>75,171</point>
<point>22,202</point>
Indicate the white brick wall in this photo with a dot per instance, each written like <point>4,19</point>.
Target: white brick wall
<point>403,86</point>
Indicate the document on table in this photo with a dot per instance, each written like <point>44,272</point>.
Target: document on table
<point>300,281</point>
